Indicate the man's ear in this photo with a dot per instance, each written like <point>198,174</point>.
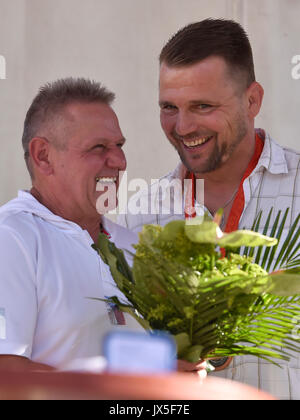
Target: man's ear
<point>255,94</point>
<point>39,153</point>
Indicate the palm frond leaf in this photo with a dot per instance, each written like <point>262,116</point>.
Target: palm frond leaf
<point>283,255</point>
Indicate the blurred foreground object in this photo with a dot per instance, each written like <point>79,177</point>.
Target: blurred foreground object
<point>132,352</point>
<point>74,386</point>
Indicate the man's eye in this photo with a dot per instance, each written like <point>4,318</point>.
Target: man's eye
<point>168,107</point>
<point>204,106</point>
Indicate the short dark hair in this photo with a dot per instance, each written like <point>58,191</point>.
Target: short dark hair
<point>211,37</point>
<point>54,96</point>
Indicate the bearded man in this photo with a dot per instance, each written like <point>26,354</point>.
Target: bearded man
<point>209,98</point>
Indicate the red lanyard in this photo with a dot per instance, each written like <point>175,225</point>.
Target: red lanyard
<point>102,230</point>
<point>189,204</point>
<point>239,201</point>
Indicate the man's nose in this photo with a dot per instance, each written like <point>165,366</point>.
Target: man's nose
<point>186,123</point>
<point>116,159</point>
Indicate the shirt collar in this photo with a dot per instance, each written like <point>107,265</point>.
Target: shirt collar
<point>272,157</point>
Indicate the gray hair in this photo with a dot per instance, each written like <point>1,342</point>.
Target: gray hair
<point>50,100</point>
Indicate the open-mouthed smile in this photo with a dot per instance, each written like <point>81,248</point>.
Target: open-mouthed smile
<point>191,144</point>
<point>106,180</point>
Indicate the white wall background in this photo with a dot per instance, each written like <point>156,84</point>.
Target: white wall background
<point>118,42</point>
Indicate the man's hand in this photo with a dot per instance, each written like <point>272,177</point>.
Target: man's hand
<point>198,368</point>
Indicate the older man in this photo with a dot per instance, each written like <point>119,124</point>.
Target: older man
<point>209,98</point>
<point>48,269</point>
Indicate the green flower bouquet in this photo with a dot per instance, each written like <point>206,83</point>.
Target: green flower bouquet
<point>213,305</point>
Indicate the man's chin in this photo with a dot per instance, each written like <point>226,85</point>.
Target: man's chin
<point>106,199</point>
<point>199,167</point>
<point>105,206</point>
<point>194,167</point>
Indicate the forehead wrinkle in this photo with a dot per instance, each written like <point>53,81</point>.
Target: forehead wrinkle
<point>106,140</point>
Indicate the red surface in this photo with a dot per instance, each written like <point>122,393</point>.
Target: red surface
<point>179,386</point>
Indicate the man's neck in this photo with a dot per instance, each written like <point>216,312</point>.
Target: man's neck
<point>92,227</point>
<point>90,224</point>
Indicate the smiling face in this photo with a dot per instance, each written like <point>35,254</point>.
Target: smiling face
<point>91,154</point>
<point>203,113</point>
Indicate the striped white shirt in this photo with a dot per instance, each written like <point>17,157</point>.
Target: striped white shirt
<point>275,182</point>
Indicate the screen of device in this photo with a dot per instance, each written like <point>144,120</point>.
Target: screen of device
<point>139,353</point>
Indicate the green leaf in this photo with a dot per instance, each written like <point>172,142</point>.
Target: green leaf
<point>192,354</point>
<point>245,237</point>
<point>182,342</point>
<point>209,232</point>
<point>114,257</point>
<point>255,227</point>
<point>285,283</point>
<point>172,230</point>
<point>288,245</point>
<point>273,235</point>
<point>201,231</point>
<point>265,231</point>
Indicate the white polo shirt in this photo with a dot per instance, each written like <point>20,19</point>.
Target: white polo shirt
<point>48,273</point>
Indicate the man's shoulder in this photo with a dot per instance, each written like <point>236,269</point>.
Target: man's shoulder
<point>292,158</point>
<point>285,154</point>
<point>15,221</point>
<point>19,225</point>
